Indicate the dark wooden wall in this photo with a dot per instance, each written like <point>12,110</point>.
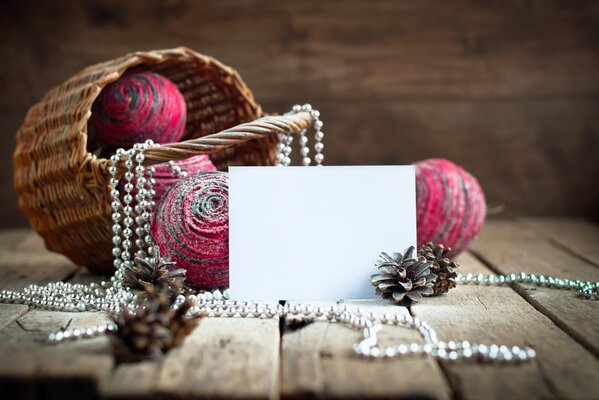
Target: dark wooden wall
<point>508,89</point>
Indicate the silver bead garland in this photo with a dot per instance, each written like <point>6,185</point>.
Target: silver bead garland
<point>284,146</point>
<point>111,296</point>
<point>586,289</point>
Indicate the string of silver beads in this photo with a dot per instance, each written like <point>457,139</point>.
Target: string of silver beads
<point>355,318</point>
<point>109,296</point>
<point>284,148</point>
<point>216,304</point>
<point>586,289</point>
<point>142,198</point>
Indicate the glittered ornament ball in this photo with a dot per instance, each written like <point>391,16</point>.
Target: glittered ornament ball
<point>140,105</point>
<point>450,205</point>
<point>191,225</point>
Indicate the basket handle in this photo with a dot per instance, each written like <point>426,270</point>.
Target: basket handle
<point>93,173</point>
<point>262,127</point>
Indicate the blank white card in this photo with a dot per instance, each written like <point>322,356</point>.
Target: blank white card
<point>313,233</point>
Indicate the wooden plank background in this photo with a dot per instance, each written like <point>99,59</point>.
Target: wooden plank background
<point>266,359</point>
<point>508,89</point>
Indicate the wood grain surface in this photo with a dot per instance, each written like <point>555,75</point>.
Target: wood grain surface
<point>25,260</point>
<point>509,247</point>
<point>264,359</point>
<point>221,359</point>
<point>28,368</point>
<point>508,89</point>
<point>578,236</point>
<point>318,361</point>
<point>564,368</point>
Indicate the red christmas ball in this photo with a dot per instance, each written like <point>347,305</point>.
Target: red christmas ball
<point>191,225</point>
<point>450,204</point>
<point>141,105</point>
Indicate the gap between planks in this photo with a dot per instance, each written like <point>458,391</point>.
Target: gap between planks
<point>456,391</point>
<point>483,314</point>
<point>511,246</point>
<point>578,237</point>
<point>458,375</point>
<point>317,360</point>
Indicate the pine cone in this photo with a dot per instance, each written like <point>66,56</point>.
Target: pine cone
<point>148,272</point>
<point>442,266</point>
<point>434,253</point>
<point>155,327</point>
<point>403,279</point>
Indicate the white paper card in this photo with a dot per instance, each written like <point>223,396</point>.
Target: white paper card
<point>310,233</point>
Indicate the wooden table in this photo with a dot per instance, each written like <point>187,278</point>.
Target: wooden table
<point>256,358</point>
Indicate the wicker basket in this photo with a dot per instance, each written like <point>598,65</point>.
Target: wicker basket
<point>62,187</point>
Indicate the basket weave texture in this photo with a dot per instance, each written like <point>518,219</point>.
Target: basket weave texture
<point>62,187</point>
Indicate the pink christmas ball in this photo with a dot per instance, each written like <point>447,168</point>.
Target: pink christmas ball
<point>191,225</point>
<point>140,105</point>
<point>450,204</point>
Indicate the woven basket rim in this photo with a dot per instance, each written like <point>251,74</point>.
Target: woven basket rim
<point>61,185</point>
<point>97,164</point>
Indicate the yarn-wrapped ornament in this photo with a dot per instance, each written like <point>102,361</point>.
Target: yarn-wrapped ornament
<point>140,105</point>
<point>450,205</point>
<point>191,225</point>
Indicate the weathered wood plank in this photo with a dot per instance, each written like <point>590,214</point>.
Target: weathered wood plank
<point>132,380</point>
<point>318,45</point>
<point>248,363</point>
<point>32,368</point>
<point>483,314</point>
<point>318,361</point>
<point>27,261</point>
<point>10,312</point>
<point>10,238</point>
<point>578,236</point>
<point>510,247</point>
<point>222,358</point>
<point>403,132</point>
<point>240,357</point>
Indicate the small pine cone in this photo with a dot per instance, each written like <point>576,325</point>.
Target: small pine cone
<point>442,266</point>
<point>157,271</point>
<point>154,327</point>
<point>402,278</point>
<point>434,253</point>
<point>443,284</point>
